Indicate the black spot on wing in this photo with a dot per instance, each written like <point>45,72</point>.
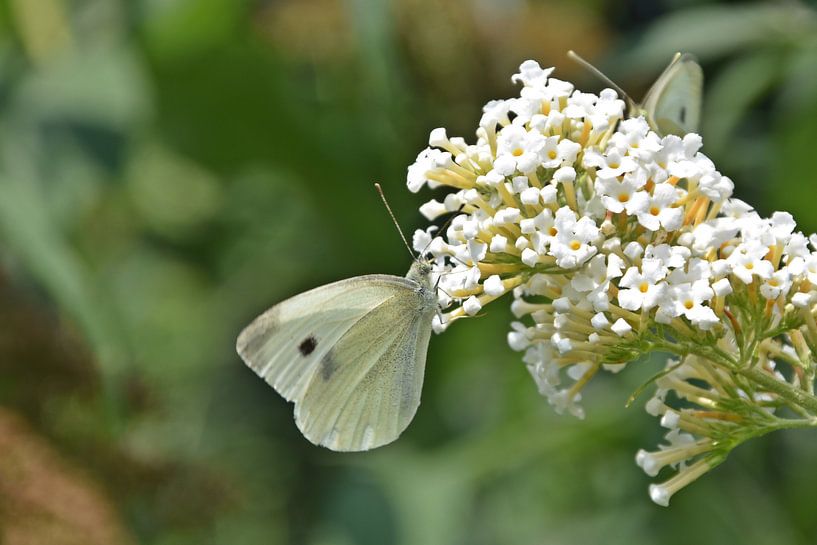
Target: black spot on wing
<point>308,345</point>
<point>683,114</point>
<point>328,365</point>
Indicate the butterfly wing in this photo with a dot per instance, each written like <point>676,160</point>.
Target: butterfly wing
<point>351,355</point>
<point>673,103</point>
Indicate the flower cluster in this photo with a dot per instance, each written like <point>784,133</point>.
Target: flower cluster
<point>616,241</point>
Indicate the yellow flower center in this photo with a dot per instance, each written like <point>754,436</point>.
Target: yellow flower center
<point>688,304</point>
<point>575,245</point>
<point>643,287</point>
<point>552,154</point>
<point>517,152</point>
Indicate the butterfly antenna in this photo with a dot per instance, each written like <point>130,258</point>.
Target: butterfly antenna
<point>599,74</point>
<point>394,219</point>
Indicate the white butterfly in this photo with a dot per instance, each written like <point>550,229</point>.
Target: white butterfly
<point>673,103</point>
<point>351,355</point>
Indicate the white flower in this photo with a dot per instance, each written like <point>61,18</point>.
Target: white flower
<point>689,299</point>
<point>778,284</point>
<point>518,149</point>
<point>715,186</point>
<point>609,106</point>
<point>421,240</point>
<point>433,209</point>
<point>580,105</point>
<point>530,196</point>
<point>494,113</point>
<point>621,327</point>
<point>722,287</point>
<point>810,268</point>
<point>499,244</point>
<point>594,281</point>
<point>713,234</point>
<point>783,225</point>
<point>669,256</point>
<point>472,306</point>
<point>529,257</point>
<point>748,261</point>
<point>644,287</point>
<point>656,211</point>
<point>563,400</point>
<point>599,321</point>
<point>438,138</point>
<point>428,160</point>
<point>507,216</point>
<point>493,285</point>
<point>611,165</point>
<point>591,276</point>
<point>797,246</point>
<point>633,250</point>
<point>617,194</point>
<point>802,300</point>
<point>549,193</point>
<point>556,152</point>
<point>560,343</point>
<point>572,245</point>
<point>562,175</point>
<point>532,75</point>
<point>477,250</point>
<point>633,136</point>
<point>518,337</point>
<point>692,271</point>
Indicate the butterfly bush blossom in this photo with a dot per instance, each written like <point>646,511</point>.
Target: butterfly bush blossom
<point>615,242</point>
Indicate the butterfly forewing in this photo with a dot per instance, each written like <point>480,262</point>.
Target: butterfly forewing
<point>342,352</point>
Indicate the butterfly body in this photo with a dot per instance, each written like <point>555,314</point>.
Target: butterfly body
<point>350,355</point>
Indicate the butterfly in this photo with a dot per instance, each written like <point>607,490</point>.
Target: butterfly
<point>673,103</point>
<point>351,355</point>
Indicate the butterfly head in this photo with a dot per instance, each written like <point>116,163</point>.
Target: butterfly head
<point>420,272</point>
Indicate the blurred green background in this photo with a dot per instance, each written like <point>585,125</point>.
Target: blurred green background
<point>170,168</point>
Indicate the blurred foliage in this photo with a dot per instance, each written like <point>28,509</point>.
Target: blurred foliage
<point>169,168</point>
<point>45,501</point>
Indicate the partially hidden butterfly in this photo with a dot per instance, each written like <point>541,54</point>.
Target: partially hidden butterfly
<point>351,355</point>
<point>673,103</point>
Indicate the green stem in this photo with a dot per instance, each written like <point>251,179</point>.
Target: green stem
<point>786,391</point>
<point>793,423</point>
